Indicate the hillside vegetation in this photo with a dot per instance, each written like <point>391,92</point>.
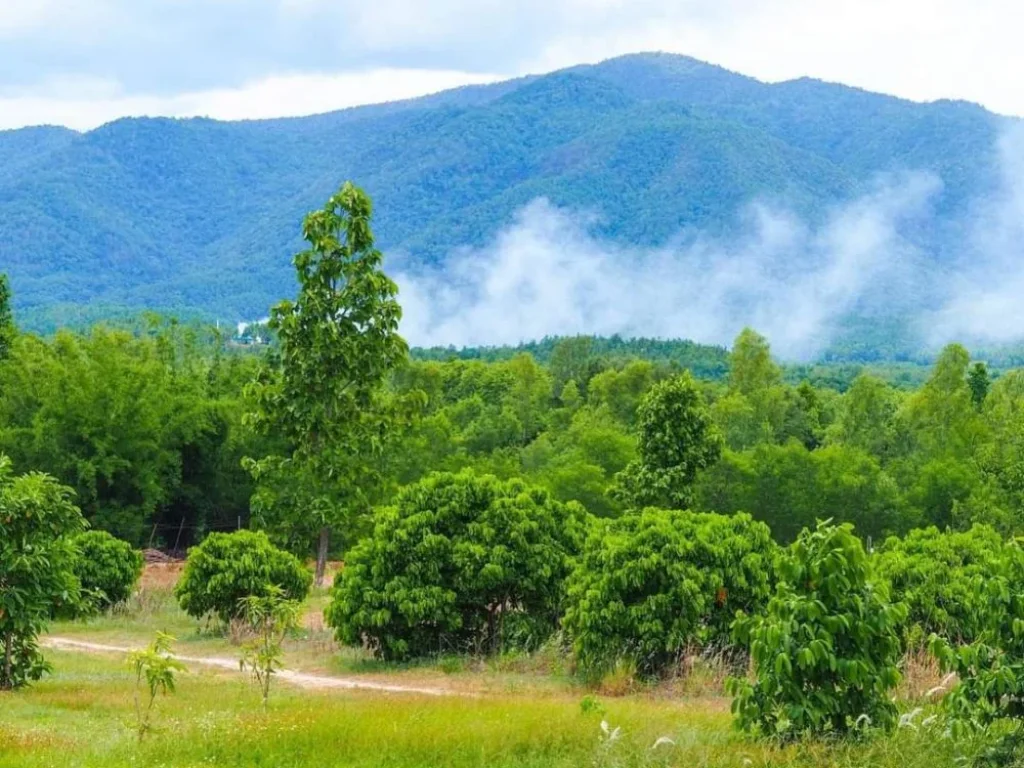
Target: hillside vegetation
<point>198,216</point>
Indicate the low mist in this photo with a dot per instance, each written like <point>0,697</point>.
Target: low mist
<point>549,274</point>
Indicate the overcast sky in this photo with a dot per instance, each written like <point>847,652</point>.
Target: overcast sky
<point>84,62</point>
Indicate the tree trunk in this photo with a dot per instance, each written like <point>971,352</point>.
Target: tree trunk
<point>8,679</point>
<point>321,555</point>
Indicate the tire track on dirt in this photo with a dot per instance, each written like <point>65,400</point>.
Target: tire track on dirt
<point>301,679</point>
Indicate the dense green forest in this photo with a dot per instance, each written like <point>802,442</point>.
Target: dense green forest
<point>145,423</point>
<point>197,216</point>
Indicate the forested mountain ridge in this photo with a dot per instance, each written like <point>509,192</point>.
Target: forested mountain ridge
<point>198,215</point>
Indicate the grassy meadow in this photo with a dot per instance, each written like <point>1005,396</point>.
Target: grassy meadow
<point>512,711</point>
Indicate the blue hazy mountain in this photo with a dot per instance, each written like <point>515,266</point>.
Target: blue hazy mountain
<point>202,216</point>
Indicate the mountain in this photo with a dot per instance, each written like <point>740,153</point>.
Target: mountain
<point>201,216</point>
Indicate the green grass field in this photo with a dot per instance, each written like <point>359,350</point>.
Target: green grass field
<point>515,711</point>
<point>81,716</point>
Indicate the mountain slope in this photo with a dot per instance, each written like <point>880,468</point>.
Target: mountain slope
<point>202,216</point>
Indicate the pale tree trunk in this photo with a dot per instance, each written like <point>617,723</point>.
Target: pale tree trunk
<point>321,555</point>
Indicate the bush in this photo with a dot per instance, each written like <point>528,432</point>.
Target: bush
<point>227,567</point>
<point>107,568</point>
<point>653,582</point>
<point>826,651</point>
<point>461,563</point>
<point>939,576</point>
<point>990,695</point>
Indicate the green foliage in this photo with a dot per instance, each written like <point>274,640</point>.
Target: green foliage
<point>7,328</point>
<point>989,698</point>
<point>154,669</point>
<point>229,567</point>
<point>143,426</point>
<point>677,439</point>
<point>979,383</point>
<point>652,143</point>
<point>107,569</point>
<point>826,649</point>
<point>459,563</point>
<point>37,562</point>
<point>786,486</point>
<point>940,578</point>
<point>269,617</point>
<point>653,583</point>
<point>336,346</point>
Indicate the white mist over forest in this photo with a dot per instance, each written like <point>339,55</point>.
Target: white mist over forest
<point>548,273</point>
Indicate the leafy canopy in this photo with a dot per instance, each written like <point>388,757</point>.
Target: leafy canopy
<point>652,583</point>
<point>336,345</point>
<point>107,569</point>
<point>37,562</point>
<point>827,647</point>
<point>459,563</point>
<point>676,440</point>
<point>229,567</point>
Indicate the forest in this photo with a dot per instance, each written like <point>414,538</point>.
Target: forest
<point>618,508</point>
<point>146,425</point>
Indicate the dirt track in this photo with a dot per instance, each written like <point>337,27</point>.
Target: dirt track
<point>301,679</point>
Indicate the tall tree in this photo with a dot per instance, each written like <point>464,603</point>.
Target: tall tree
<point>6,318</point>
<point>676,440</point>
<point>978,381</point>
<point>322,393</point>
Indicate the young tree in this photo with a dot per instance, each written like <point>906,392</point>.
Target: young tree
<point>677,440</point>
<point>337,343</point>
<point>37,562</point>
<point>155,669</point>
<point>826,650</point>
<point>270,618</point>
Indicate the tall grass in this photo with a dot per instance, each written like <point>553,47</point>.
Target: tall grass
<point>77,719</point>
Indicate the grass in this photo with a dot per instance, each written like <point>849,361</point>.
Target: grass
<point>526,710</point>
<point>80,717</point>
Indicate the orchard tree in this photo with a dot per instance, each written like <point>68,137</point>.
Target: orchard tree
<point>677,439</point>
<point>460,563</point>
<point>650,584</point>
<point>37,567</point>
<point>322,394</point>
<point>826,649</point>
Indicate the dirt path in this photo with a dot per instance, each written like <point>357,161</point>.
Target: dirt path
<point>301,679</point>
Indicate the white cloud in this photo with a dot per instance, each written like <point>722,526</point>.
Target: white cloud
<point>548,275</point>
<point>919,49</point>
<point>87,103</point>
<point>985,294</point>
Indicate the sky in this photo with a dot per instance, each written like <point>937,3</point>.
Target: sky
<point>81,63</point>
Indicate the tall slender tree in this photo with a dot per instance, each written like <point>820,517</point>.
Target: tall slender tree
<point>6,318</point>
<point>322,393</point>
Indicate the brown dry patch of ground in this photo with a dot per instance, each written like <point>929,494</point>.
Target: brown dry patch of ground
<point>161,576</point>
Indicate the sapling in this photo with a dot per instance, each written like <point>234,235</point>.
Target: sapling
<point>154,670</point>
<point>270,618</point>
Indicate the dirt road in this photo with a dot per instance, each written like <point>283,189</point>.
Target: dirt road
<point>301,679</point>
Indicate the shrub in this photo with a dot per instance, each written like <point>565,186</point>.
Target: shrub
<point>826,651</point>
<point>653,582</point>
<point>990,695</point>
<point>37,521</point>
<point>107,568</point>
<point>228,567</point>
<point>937,576</point>
<point>457,564</point>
